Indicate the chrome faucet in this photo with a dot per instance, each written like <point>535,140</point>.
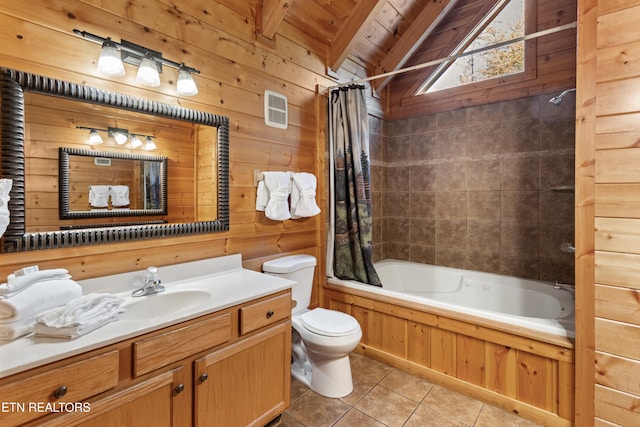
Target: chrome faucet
<point>565,286</point>
<point>151,283</point>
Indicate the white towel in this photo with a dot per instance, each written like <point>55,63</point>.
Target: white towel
<point>99,196</point>
<point>73,331</point>
<point>16,284</point>
<point>119,196</point>
<point>84,310</point>
<point>13,330</point>
<point>279,186</point>
<point>37,298</point>
<point>262,196</point>
<point>303,195</point>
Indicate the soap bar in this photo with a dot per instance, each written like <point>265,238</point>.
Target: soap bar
<point>26,270</point>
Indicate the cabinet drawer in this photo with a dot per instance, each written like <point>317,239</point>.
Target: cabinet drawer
<point>160,350</point>
<point>261,314</point>
<point>75,382</point>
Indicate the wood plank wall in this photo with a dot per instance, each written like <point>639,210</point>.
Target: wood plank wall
<point>217,37</point>
<point>555,69</point>
<point>609,73</point>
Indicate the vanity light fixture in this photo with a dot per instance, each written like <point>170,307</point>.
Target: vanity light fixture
<point>121,136</point>
<point>149,63</point>
<point>149,144</point>
<point>135,141</point>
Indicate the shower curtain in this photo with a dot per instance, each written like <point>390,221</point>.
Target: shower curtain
<point>349,249</point>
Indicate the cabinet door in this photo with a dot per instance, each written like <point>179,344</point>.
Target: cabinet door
<point>152,402</point>
<point>247,383</point>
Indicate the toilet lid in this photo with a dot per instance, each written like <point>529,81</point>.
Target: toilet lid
<point>329,322</point>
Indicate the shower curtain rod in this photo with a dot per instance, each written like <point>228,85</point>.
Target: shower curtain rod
<point>531,36</point>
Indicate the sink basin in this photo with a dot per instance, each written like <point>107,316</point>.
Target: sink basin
<point>158,305</point>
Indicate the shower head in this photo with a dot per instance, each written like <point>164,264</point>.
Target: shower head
<point>557,100</point>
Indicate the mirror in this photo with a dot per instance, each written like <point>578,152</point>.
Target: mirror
<point>96,184</point>
<point>204,210</point>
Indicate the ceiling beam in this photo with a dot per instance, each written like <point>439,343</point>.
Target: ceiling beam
<point>421,28</point>
<point>355,25</point>
<point>269,15</point>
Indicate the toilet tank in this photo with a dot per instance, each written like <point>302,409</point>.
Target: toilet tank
<point>299,268</point>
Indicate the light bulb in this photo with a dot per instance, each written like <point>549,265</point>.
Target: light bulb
<point>135,141</point>
<point>119,136</point>
<point>150,145</point>
<point>94,137</point>
<point>109,62</point>
<point>148,72</point>
<point>186,86</point>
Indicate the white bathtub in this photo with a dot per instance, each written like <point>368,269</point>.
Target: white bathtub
<point>510,300</point>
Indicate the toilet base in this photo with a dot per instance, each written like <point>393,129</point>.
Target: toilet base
<point>330,378</point>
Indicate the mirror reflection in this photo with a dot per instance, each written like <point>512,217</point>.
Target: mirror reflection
<point>177,188</point>
<point>99,184</point>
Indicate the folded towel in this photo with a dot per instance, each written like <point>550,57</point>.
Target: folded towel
<point>119,196</point>
<point>16,284</point>
<point>74,331</point>
<point>13,330</point>
<point>99,196</point>
<point>303,195</point>
<point>37,298</point>
<point>279,186</point>
<point>84,310</point>
<point>262,196</point>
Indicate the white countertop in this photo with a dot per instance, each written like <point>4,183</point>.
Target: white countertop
<point>224,278</point>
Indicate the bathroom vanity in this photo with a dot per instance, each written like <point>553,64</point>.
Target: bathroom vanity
<point>223,362</point>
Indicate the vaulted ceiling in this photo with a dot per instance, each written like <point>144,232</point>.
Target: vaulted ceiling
<point>380,35</point>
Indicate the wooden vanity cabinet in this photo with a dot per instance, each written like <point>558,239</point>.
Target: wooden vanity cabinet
<point>228,368</point>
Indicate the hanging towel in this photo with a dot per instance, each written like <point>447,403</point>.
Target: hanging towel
<point>37,298</point>
<point>262,196</point>
<point>278,185</point>
<point>16,284</point>
<point>99,196</point>
<point>13,330</point>
<point>303,195</point>
<point>84,310</point>
<point>119,196</point>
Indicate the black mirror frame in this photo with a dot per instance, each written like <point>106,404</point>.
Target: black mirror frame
<point>13,83</point>
<point>64,184</point>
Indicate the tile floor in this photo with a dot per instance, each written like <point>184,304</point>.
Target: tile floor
<point>385,396</point>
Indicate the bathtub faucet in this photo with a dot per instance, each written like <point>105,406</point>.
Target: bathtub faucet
<point>565,286</point>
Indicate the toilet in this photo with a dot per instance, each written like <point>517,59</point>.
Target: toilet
<point>321,339</point>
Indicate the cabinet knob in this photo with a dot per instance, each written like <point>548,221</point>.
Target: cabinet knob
<point>269,314</point>
<point>179,388</point>
<point>60,391</point>
<point>203,377</point>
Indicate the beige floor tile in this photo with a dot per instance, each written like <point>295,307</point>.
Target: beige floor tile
<point>491,416</point>
<point>425,416</point>
<point>415,388</point>
<point>361,386</point>
<point>289,421</point>
<point>363,367</point>
<point>297,389</point>
<point>355,418</point>
<point>314,410</point>
<point>453,404</point>
<point>386,406</point>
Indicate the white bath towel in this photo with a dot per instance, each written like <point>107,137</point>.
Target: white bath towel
<point>262,196</point>
<point>13,330</point>
<point>119,196</point>
<point>73,331</point>
<point>16,284</point>
<point>99,196</point>
<point>37,298</point>
<point>278,185</point>
<point>84,310</point>
<point>303,195</point>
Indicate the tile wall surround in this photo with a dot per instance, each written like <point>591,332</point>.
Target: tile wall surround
<point>472,188</point>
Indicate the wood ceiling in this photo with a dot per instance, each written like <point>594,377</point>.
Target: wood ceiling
<point>380,35</point>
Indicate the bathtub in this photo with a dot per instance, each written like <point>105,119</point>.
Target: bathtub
<point>510,300</point>
<point>501,339</point>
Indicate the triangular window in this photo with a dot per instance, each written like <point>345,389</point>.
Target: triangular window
<point>506,21</point>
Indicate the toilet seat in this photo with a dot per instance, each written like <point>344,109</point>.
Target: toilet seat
<point>329,323</point>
